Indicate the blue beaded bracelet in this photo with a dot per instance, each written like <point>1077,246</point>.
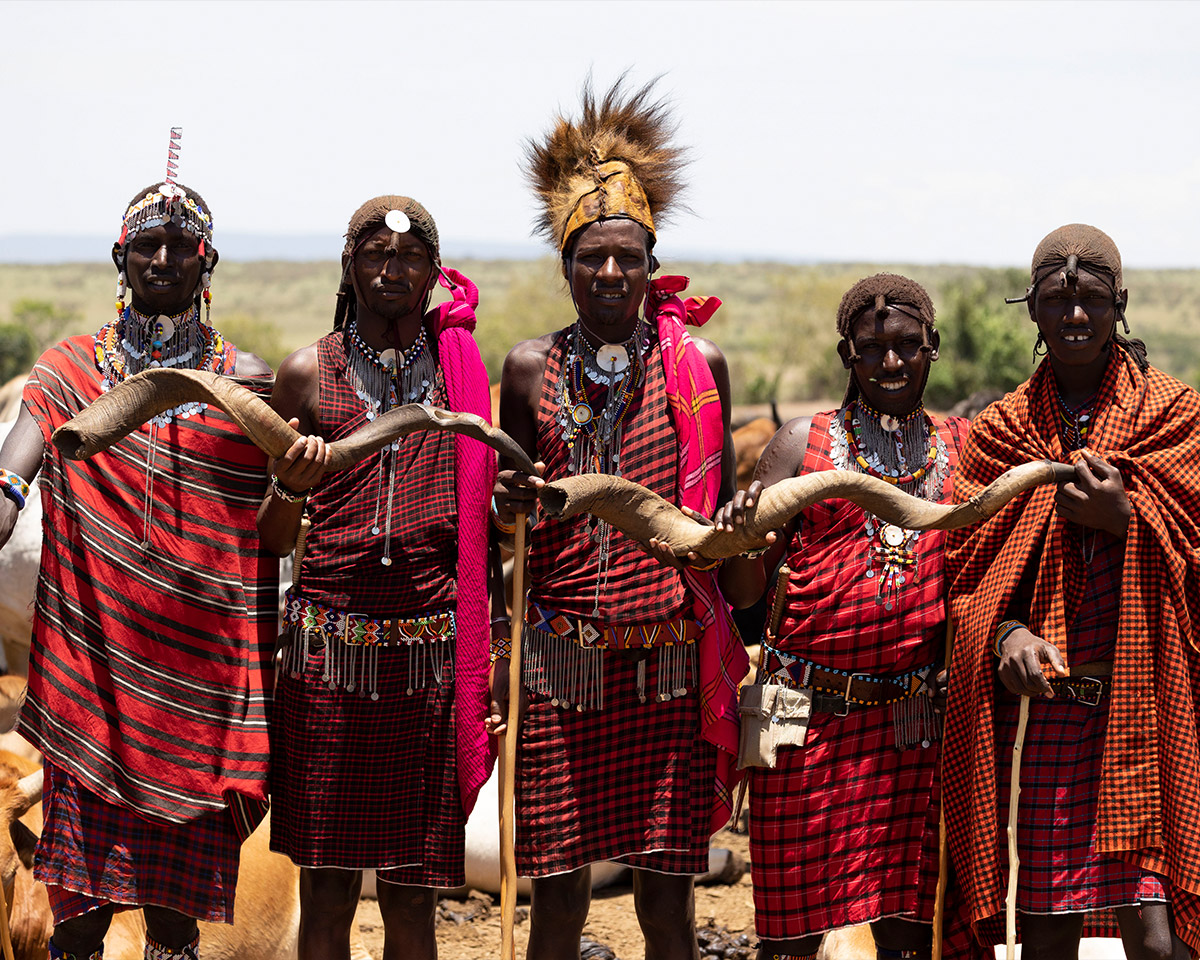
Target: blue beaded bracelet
<point>13,487</point>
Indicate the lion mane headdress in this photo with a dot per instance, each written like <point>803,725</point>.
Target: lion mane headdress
<point>615,161</point>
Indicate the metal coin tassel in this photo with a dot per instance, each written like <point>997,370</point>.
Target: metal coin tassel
<point>594,440</point>
<point>382,381</point>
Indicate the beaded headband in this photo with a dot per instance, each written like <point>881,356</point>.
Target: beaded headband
<point>168,203</point>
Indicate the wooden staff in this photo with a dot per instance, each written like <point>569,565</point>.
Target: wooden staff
<point>1014,861</point>
<point>939,903</point>
<point>508,753</point>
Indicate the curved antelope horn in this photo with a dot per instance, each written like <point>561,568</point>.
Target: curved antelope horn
<point>640,514</point>
<point>128,405</point>
<point>30,790</point>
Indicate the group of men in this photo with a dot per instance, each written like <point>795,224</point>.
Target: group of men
<point>168,714</point>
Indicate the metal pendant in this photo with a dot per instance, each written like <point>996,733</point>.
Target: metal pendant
<point>612,358</point>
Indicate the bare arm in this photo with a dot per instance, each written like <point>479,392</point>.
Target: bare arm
<point>520,391</point>
<point>22,454</point>
<point>294,397</point>
<point>744,579</point>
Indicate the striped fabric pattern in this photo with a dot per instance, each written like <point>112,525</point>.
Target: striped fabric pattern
<point>845,829</point>
<point>564,561</point>
<point>149,672</point>
<point>1148,798</point>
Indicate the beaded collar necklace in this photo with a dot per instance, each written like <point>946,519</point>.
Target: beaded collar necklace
<point>867,455</point>
<point>877,444</point>
<point>388,378</point>
<point>134,342</point>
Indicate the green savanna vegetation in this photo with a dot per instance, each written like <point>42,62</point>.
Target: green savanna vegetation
<point>776,326</point>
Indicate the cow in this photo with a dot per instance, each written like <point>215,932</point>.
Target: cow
<point>19,561</point>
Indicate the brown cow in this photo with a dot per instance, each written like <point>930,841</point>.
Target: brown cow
<point>749,441</point>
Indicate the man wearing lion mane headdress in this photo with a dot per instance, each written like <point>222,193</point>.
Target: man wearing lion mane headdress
<point>630,666</point>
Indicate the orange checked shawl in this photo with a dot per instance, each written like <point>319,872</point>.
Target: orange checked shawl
<point>1148,426</point>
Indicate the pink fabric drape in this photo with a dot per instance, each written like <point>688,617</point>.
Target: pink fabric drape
<point>699,424</point>
<point>468,391</point>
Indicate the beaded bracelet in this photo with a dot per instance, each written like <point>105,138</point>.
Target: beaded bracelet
<point>286,495</point>
<point>508,529</point>
<point>500,649</point>
<point>14,487</point>
<point>1002,632</point>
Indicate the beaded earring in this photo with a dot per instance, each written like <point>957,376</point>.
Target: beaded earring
<point>206,281</point>
<point>121,289</point>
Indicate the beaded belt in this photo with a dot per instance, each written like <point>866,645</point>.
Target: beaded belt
<point>356,629</point>
<point>606,636</point>
<point>843,688</point>
<point>564,657</point>
<point>352,642</point>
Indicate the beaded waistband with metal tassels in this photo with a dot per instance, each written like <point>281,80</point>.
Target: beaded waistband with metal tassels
<point>563,657</point>
<point>352,642</point>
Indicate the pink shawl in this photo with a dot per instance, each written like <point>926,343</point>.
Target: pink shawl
<point>475,468</point>
<point>699,425</point>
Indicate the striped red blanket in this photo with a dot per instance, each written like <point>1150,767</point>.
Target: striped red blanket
<point>155,618</point>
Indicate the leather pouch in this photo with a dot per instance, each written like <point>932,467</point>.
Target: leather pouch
<point>771,716</point>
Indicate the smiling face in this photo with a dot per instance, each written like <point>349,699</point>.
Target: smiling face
<point>608,269</point>
<point>1077,320</point>
<point>892,368</point>
<point>162,267</point>
<point>392,273</point>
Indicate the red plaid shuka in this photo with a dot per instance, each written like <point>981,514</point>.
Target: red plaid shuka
<point>631,782</point>
<point>149,670</point>
<point>359,783</point>
<point>342,567</point>
<point>845,829</point>
<point>1147,811</point>
<point>564,561</point>
<point>92,853</point>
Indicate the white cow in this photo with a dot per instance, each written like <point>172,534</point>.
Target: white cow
<point>19,562</point>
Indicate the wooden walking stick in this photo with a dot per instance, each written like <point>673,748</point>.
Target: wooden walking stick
<point>1014,861</point>
<point>508,753</point>
<point>939,903</point>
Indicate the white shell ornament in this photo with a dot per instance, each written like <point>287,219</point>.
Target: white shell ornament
<point>889,423</point>
<point>388,358</point>
<point>397,220</point>
<point>612,358</point>
<point>891,535</point>
<point>164,326</point>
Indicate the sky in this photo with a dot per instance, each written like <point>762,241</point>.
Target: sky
<point>854,131</point>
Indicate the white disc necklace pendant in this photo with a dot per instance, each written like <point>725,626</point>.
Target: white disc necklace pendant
<point>889,423</point>
<point>388,358</point>
<point>891,535</point>
<point>612,358</point>
<point>164,326</point>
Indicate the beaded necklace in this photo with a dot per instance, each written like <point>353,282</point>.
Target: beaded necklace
<point>133,342</point>
<point>383,380</point>
<point>386,379</point>
<point>1076,424</point>
<point>875,444</point>
<point>594,439</point>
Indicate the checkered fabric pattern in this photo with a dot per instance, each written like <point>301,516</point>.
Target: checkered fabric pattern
<point>362,784</point>
<point>564,561</point>
<point>845,829</point>
<point>92,853</point>
<point>347,504</point>
<point>644,800</point>
<point>1148,805</point>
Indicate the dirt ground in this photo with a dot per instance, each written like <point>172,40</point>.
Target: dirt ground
<point>611,922</point>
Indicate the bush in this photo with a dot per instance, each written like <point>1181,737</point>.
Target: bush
<point>18,350</point>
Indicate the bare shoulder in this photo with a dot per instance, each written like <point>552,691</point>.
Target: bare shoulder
<point>301,367</point>
<point>525,364</point>
<point>251,365</point>
<point>784,455</point>
<point>710,351</point>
